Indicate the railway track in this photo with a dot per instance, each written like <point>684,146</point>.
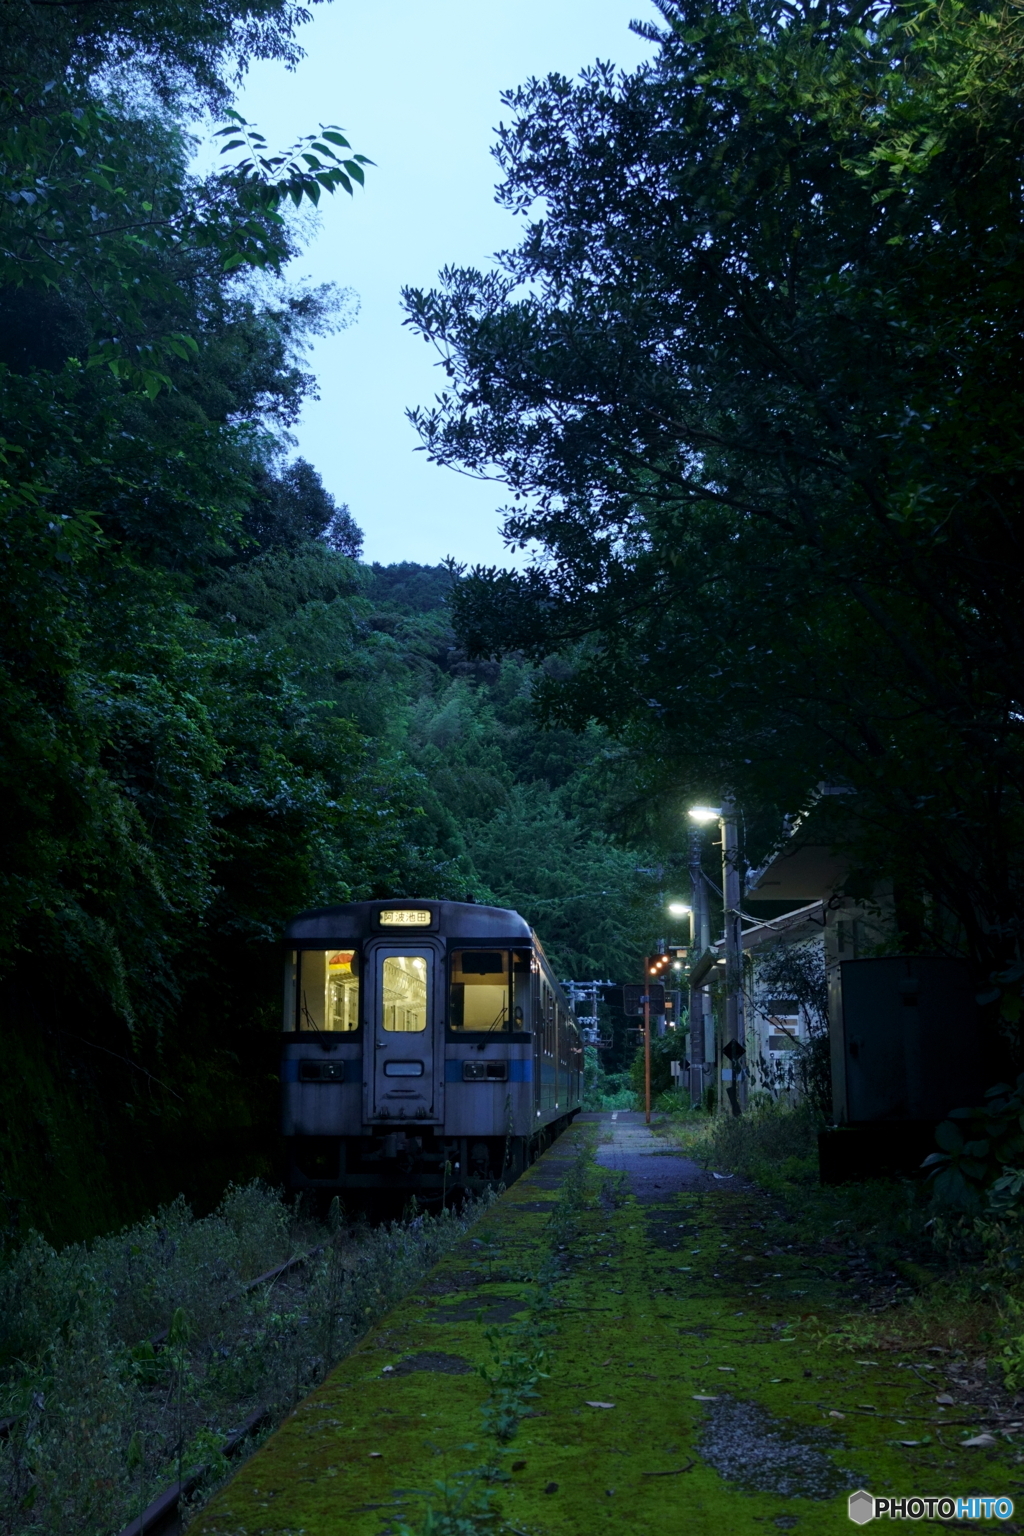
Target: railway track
<point>162,1517</point>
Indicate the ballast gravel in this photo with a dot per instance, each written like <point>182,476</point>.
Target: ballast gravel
<point>747,1445</point>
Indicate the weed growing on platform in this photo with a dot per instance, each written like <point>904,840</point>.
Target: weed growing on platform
<point>923,1279</point>
<point>465,1507</point>
<point>127,1361</point>
<point>615,1189</point>
<point>519,1360</point>
<point>572,1196</point>
<point>517,1367</point>
<point>772,1144</point>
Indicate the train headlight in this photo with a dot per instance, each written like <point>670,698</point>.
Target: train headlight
<point>321,1071</point>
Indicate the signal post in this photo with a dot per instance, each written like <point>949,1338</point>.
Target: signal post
<point>654,966</point>
<point>641,1002</point>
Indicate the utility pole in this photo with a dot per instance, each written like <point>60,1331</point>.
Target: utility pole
<point>700,938</point>
<point>734,1045</point>
<point>586,993</point>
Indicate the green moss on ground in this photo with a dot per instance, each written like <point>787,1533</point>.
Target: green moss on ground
<point>638,1323</point>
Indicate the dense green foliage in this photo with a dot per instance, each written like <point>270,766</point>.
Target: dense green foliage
<point>665,1049</point>
<point>753,376</point>
<point>981,1153</point>
<point>167,790</point>
<point>212,716</point>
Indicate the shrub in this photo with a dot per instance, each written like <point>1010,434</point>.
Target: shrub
<point>123,1359</point>
<point>665,1049</point>
<point>601,1089</point>
<point>982,1152</point>
<point>772,1143</point>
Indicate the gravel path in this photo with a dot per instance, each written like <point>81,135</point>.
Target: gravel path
<point>653,1170</point>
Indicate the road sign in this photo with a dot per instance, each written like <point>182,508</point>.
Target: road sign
<point>633,998</point>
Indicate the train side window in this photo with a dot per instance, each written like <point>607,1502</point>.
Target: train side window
<point>404,994</point>
<point>521,978</point>
<point>327,991</point>
<point>479,1000</point>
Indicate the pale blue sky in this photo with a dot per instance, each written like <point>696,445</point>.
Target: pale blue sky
<point>416,87</point>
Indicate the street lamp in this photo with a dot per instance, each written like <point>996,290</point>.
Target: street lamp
<point>678,908</point>
<point>702,814</point>
<point>733,1046</point>
<point>701,1034</point>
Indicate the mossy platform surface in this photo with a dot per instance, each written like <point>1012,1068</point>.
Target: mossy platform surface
<point>686,1390</point>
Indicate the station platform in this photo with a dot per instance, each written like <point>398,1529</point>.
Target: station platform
<point>679,1357</point>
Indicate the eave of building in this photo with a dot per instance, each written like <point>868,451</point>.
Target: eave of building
<point>807,872</point>
<point>806,922</point>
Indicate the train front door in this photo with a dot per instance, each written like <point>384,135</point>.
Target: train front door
<point>402,1080</point>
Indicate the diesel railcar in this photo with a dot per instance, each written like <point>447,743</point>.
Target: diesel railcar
<point>427,1046</point>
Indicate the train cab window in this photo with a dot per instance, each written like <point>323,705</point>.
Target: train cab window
<point>342,991</point>
<point>404,994</point>
<point>479,990</point>
<point>326,986</point>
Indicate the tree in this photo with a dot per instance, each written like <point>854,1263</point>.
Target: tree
<point>798,972</point>
<point>291,508</point>
<point>753,376</point>
<point>145,386</point>
<point>170,793</point>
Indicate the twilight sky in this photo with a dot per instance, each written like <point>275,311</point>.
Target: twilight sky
<point>416,87</point>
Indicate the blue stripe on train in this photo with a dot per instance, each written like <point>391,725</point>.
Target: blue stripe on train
<point>518,1071</point>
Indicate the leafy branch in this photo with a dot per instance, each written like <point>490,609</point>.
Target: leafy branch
<point>73,214</point>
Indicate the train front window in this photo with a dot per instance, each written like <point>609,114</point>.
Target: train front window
<point>404,994</point>
<point>327,991</point>
<point>479,990</point>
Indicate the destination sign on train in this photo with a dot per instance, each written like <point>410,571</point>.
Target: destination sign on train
<point>405,917</point>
